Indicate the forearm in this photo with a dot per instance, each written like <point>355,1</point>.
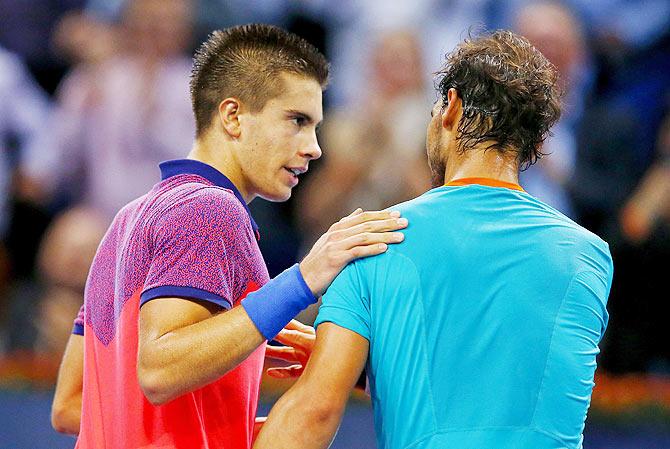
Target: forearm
<point>174,359</point>
<point>308,415</point>
<point>66,417</point>
<point>191,357</point>
<point>66,407</point>
<point>296,421</point>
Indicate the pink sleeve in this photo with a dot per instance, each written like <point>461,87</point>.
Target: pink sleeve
<point>198,246</point>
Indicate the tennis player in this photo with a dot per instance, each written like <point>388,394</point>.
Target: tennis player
<point>481,330</point>
<point>162,365</point>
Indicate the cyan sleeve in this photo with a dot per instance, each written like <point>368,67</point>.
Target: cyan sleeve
<point>347,301</point>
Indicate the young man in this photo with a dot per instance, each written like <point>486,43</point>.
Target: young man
<point>481,330</point>
<point>162,367</point>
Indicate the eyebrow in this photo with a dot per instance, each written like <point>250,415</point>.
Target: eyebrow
<point>304,115</point>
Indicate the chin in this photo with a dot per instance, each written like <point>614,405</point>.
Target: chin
<point>276,197</point>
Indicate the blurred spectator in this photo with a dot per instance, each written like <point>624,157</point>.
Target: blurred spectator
<point>355,25</point>
<point>556,32</point>
<point>637,339</point>
<point>648,208</point>
<point>65,256</point>
<point>41,313</point>
<point>635,23</point>
<point>117,119</point>
<point>72,38</point>
<point>374,153</point>
<point>25,29</point>
<point>23,109</point>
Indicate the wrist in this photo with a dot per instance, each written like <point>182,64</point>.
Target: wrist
<point>272,306</point>
<point>310,279</point>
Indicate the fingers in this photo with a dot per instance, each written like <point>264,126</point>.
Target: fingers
<point>372,227</point>
<point>363,217</point>
<point>296,339</point>
<point>296,325</point>
<point>370,238</point>
<point>286,372</point>
<point>360,234</point>
<point>356,212</point>
<point>359,252</point>
<point>285,353</point>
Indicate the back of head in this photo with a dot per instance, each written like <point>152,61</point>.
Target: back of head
<point>510,94</point>
<point>245,62</point>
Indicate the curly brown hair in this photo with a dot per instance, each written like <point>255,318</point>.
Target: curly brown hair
<point>510,93</point>
<point>245,62</point>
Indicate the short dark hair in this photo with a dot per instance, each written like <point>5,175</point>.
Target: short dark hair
<point>510,93</point>
<point>245,62</point>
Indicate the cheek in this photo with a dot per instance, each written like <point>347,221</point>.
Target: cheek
<point>433,134</point>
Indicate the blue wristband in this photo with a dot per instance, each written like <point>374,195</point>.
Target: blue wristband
<point>276,303</point>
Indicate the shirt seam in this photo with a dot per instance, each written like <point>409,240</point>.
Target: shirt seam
<point>423,333</point>
<point>551,341</point>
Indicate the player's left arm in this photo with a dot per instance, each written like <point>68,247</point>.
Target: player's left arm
<point>66,407</point>
<point>308,415</point>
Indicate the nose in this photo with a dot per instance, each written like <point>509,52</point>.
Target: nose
<point>313,149</point>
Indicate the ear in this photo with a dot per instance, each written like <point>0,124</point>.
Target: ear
<point>452,112</point>
<point>229,111</point>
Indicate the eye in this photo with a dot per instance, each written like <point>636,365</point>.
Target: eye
<point>299,121</point>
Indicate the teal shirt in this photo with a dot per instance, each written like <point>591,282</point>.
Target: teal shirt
<point>483,324</point>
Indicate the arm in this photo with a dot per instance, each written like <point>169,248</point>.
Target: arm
<point>297,419</point>
<point>169,331</point>
<point>66,407</point>
<point>299,340</point>
<point>170,328</point>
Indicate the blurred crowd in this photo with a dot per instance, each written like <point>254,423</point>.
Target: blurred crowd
<point>94,94</point>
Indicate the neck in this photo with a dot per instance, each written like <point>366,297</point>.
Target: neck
<point>217,153</point>
<point>478,163</point>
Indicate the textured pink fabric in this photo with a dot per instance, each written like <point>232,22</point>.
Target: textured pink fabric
<point>185,233</point>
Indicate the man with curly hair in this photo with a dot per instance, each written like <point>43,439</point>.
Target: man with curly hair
<point>481,331</point>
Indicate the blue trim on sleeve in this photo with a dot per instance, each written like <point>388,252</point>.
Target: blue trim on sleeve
<point>173,291</point>
<point>78,329</point>
<point>276,303</point>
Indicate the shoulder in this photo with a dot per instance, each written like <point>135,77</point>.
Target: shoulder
<point>194,205</point>
<point>566,227</point>
<point>587,250</point>
<point>387,270</point>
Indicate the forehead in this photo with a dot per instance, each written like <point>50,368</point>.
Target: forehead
<point>299,93</point>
